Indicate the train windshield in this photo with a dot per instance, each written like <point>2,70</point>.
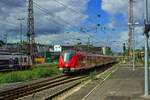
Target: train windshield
<point>67,56</point>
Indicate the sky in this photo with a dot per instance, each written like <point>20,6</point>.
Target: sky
<point>67,22</point>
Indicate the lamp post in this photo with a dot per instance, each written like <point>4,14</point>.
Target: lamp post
<point>133,41</point>
<point>46,43</point>
<point>21,19</point>
<point>5,39</point>
<point>146,31</point>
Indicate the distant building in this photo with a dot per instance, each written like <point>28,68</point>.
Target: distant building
<point>67,48</point>
<point>57,48</point>
<point>106,51</point>
<point>41,48</point>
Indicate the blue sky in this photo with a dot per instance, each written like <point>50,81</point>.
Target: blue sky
<point>111,33</point>
<point>114,16</point>
<point>94,8</point>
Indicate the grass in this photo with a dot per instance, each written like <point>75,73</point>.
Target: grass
<point>93,75</point>
<point>41,71</point>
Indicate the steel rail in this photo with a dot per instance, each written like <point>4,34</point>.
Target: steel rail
<point>14,93</point>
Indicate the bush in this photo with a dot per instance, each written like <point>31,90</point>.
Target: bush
<point>11,77</point>
<point>93,75</point>
<point>38,72</point>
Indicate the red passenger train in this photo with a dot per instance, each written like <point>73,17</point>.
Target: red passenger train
<point>71,61</point>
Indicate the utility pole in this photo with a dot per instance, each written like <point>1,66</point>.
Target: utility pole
<point>21,26</point>
<point>124,49</point>
<point>21,19</point>
<point>130,26</point>
<point>133,41</point>
<point>30,30</point>
<point>88,43</point>
<point>146,36</point>
<point>5,39</point>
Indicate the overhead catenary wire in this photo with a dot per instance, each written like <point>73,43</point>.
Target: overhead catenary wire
<point>9,23</point>
<point>52,16</point>
<point>64,5</point>
<point>49,13</point>
<point>45,13</point>
<point>76,12</point>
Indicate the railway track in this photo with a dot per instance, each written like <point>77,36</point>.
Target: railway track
<point>57,85</point>
<point>65,88</point>
<point>21,91</point>
<point>68,90</point>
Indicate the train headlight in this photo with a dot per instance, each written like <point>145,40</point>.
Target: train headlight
<point>66,65</point>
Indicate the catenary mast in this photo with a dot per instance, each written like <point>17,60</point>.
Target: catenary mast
<point>30,30</point>
<point>130,26</point>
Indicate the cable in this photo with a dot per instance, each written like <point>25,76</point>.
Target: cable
<point>8,23</point>
<point>56,22</point>
<point>65,7</point>
<point>47,12</point>
<point>77,12</point>
<point>52,16</point>
<point>68,7</point>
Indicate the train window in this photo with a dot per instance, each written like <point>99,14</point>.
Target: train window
<point>25,59</point>
<point>80,58</point>
<point>67,56</point>
<point>88,57</point>
<point>21,59</point>
<point>16,61</point>
<point>4,62</point>
<point>11,61</point>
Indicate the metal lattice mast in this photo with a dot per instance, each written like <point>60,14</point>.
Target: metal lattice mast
<point>30,29</point>
<point>130,24</point>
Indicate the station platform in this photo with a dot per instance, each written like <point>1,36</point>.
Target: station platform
<point>123,84</point>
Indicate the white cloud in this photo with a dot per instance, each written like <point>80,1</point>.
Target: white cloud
<point>112,24</point>
<point>63,38</point>
<point>59,18</point>
<point>138,37</point>
<point>115,7</point>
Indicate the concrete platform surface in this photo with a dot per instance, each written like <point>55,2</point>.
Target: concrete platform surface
<point>124,84</point>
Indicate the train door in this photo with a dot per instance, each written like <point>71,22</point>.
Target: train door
<point>21,62</point>
<point>80,61</point>
<point>16,62</point>
<point>11,63</point>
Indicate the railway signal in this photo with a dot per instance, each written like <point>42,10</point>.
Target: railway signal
<point>124,48</point>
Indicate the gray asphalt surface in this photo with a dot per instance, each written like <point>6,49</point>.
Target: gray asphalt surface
<point>124,84</point>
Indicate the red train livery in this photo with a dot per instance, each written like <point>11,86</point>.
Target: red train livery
<point>71,61</point>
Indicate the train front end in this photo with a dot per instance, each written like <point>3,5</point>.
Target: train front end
<point>67,61</point>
